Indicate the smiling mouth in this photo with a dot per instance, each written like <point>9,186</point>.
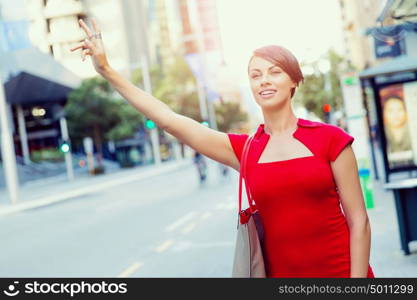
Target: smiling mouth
<point>267,93</point>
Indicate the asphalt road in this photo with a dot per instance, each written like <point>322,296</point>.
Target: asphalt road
<point>165,226</point>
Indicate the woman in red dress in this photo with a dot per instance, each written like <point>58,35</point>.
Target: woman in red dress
<point>302,174</point>
<point>304,179</point>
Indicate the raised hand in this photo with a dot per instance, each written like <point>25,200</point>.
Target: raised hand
<point>93,46</point>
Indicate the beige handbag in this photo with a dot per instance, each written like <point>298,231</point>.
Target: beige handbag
<point>248,259</point>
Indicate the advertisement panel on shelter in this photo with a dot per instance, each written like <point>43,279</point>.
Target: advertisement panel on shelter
<point>400,123</point>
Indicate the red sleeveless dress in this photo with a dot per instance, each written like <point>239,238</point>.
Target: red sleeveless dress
<point>305,231</point>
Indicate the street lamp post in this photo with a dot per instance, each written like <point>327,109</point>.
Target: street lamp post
<point>147,79</point>
<point>8,151</point>
<point>68,155</point>
<point>206,106</point>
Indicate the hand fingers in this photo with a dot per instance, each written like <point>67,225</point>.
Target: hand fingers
<point>86,44</point>
<point>89,44</point>
<point>83,45</point>
<point>85,53</point>
<point>77,47</point>
<point>86,29</point>
<point>95,26</point>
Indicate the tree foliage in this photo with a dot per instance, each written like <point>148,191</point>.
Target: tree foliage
<point>175,86</point>
<point>229,115</point>
<point>94,110</point>
<point>312,94</point>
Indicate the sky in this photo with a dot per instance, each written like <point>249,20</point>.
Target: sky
<point>307,28</point>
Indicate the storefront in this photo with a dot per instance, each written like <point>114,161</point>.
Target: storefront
<point>36,89</point>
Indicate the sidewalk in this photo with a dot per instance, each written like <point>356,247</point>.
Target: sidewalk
<point>387,258</point>
<point>54,189</point>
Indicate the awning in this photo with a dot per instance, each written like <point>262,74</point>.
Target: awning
<point>27,88</point>
<point>402,63</point>
<point>33,76</point>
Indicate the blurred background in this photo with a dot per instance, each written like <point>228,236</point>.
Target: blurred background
<point>90,187</point>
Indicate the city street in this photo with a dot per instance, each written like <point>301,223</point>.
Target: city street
<point>164,226</point>
<point>111,138</point>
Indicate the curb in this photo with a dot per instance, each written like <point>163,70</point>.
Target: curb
<point>105,184</point>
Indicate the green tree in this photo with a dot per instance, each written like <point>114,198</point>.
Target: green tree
<point>228,115</point>
<point>312,94</point>
<point>130,121</point>
<point>94,110</point>
<point>336,63</point>
<point>174,85</point>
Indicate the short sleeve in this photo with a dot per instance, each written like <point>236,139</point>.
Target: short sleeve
<point>238,142</point>
<point>339,139</point>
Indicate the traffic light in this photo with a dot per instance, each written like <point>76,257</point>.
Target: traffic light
<point>351,80</point>
<point>205,123</point>
<point>149,124</point>
<point>64,146</point>
<point>327,108</point>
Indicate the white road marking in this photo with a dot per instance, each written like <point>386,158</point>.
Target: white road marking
<point>214,244</point>
<point>206,215</point>
<point>164,246</point>
<point>189,245</point>
<point>188,228</point>
<point>226,206</point>
<point>180,221</point>
<point>182,246</point>
<point>130,270</point>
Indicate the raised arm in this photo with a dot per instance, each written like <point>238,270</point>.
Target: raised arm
<point>209,142</point>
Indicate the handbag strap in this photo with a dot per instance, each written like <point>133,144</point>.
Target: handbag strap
<point>243,175</point>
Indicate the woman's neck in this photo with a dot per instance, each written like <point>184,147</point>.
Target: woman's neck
<point>280,123</point>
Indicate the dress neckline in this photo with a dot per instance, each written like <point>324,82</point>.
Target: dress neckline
<point>264,136</point>
<point>301,124</point>
<point>263,128</point>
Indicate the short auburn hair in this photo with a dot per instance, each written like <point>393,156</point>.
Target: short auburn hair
<point>284,59</point>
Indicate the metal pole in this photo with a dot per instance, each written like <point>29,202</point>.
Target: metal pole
<point>68,155</point>
<point>23,135</point>
<point>8,151</point>
<point>202,101</point>
<point>212,114</point>
<point>147,78</point>
<point>207,111</point>
<point>153,131</point>
<point>202,95</point>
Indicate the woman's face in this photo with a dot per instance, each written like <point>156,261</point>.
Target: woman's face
<point>270,85</point>
<point>394,113</point>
